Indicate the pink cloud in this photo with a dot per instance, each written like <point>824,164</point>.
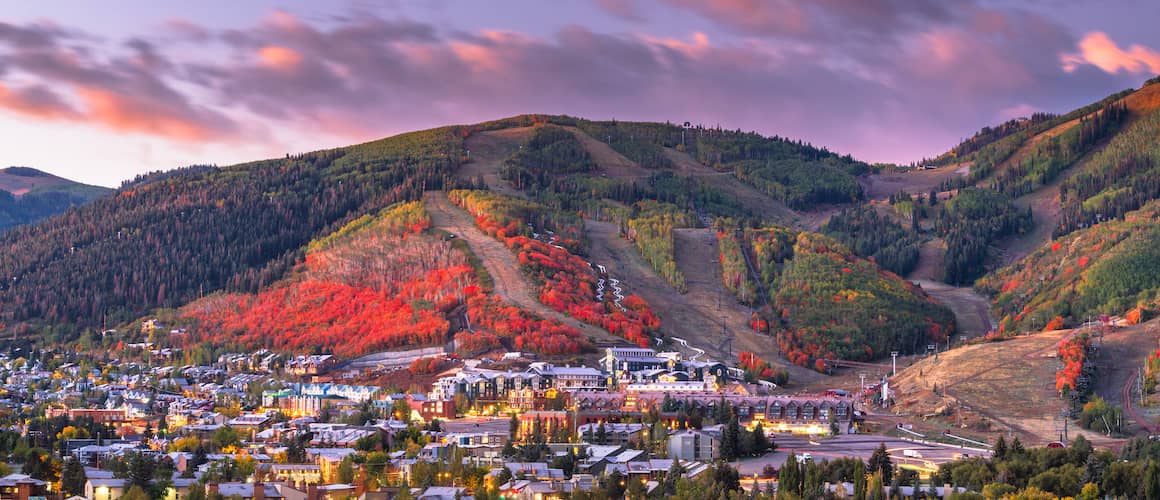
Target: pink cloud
<point>129,114</point>
<point>753,16</point>
<point>279,58</point>
<point>1099,50</point>
<point>36,102</point>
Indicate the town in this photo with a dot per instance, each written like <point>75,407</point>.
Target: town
<point>262,425</point>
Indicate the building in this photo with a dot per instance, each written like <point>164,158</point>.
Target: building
<point>296,474</point>
<point>21,487</point>
<point>105,489</point>
<point>311,365</point>
<point>431,409</point>
<point>804,414</point>
<point>614,433</point>
<point>625,360</point>
<point>99,415</point>
<point>693,445</point>
<point>567,378</point>
<point>255,491</point>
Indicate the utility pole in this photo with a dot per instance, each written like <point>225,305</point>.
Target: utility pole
<point>893,363</point>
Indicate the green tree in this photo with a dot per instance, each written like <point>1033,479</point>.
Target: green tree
<point>140,470</point>
<point>136,493</point>
<point>875,489</point>
<point>72,477</point>
<point>39,466</point>
<point>1122,479</point>
<point>196,492</point>
<point>1152,480</point>
<point>225,436</point>
<point>730,441</point>
<point>1000,450</point>
<point>346,470</point>
<point>881,464</point>
<point>998,490</point>
<point>790,477</point>
<point>859,480</point>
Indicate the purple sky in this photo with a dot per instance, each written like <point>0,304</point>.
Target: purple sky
<point>100,91</point>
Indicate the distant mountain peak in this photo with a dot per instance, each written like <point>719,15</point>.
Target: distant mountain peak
<point>25,172</point>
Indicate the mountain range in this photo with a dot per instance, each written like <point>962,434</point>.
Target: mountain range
<point>558,235</point>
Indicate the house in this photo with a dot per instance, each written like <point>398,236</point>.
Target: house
<point>693,445</point>
<point>254,491</point>
<point>105,489</point>
<point>331,492</point>
<point>299,474</point>
<point>21,487</point>
<point>250,422</point>
<point>431,409</point>
<point>441,493</point>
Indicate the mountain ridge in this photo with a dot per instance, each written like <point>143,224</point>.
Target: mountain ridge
<point>28,195</point>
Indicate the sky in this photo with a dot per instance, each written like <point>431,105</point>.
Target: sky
<point>102,91</point>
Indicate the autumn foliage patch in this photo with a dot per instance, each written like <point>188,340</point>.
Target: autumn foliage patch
<point>567,283</point>
<point>1073,354</point>
<point>381,283</point>
<point>758,369</point>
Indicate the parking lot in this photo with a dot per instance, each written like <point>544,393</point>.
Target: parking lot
<point>928,456</point>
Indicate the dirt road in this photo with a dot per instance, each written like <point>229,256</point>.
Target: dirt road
<point>488,150</point>
<point>510,283</point>
<point>972,311</point>
<point>693,316</point>
<point>754,200</point>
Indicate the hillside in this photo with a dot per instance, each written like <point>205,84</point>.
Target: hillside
<point>169,239</point>
<point>824,303</point>
<point>588,233</point>
<point>384,282</point>
<point>1028,182</point>
<point>1107,269</point>
<point>28,195</point>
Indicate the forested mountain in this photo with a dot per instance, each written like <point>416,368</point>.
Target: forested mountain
<point>28,195</point>
<point>824,302</point>
<point>165,239</point>
<point>1111,268</point>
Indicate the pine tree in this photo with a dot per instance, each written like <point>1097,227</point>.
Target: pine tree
<point>761,442</point>
<point>789,479</point>
<point>1000,450</point>
<point>1017,449</point>
<point>880,463</point>
<point>72,477</point>
<point>731,441</point>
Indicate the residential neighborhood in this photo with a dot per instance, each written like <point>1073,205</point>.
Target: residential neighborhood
<point>260,425</point>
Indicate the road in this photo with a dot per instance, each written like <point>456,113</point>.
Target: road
<point>1129,403</point>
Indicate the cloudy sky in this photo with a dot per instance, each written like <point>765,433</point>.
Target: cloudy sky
<point>101,91</point>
